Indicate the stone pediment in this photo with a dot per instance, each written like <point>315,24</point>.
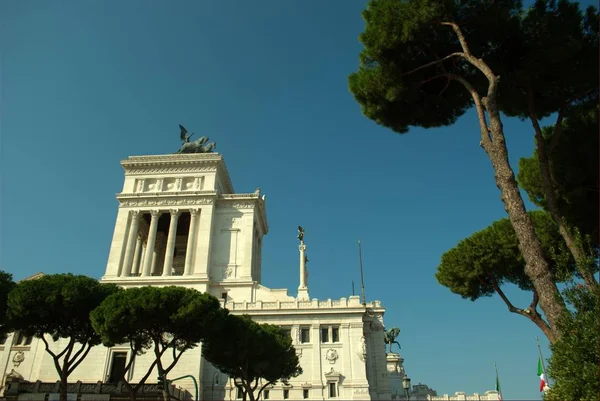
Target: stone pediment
<point>333,374</point>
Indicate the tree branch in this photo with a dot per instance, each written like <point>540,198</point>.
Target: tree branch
<point>69,346</point>
<point>477,63</point>
<point>509,304</point>
<point>551,199</point>
<point>76,363</point>
<point>54,356</point>
<point>175,360</point>
<point>145,377</point>
<point>77,353</point>
<point>557,128</point>
<point>530,313</point>
<point>457,54</point>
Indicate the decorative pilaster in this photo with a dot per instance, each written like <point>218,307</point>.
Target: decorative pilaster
<point>189,253</point>
<point>151,242</point>
<point>171,243</point>
<point>134,225</point>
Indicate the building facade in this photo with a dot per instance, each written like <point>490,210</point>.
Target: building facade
<point>180,222</point>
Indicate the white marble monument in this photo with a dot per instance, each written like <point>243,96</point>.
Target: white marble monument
<point>180,222</point>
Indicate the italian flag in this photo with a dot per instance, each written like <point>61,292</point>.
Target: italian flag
<point>542,375</point>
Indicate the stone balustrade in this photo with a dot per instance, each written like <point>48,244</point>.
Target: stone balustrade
<point>351,302</point>
<point>38,391</point>
<point>491,395</point>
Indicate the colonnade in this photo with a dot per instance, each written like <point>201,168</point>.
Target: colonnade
<point>145,252</point>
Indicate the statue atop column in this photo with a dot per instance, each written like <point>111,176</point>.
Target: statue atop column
<point>303,288</point>
<point>390,337</point>
<point>198,146</point>
<point>301,234</point>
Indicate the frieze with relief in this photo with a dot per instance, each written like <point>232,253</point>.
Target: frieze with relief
<point>167,202</point>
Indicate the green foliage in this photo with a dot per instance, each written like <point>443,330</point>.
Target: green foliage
<point>163,319</point>
<point>401,36</point>
<point>553,54</point>
<point>574,166</point>
<point>250,351</point>
<point>492,257</point>
<point>58,305</point>
<point>551,48</point>
<point>575,357</point>
<point>6,285</point>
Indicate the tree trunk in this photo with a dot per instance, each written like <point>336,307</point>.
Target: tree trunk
<point>493,142</point>
<point>536,268</point>
<point>552,204</point>
<point>64,376</point>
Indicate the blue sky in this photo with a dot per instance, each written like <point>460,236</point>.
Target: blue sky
<point>85,84</point>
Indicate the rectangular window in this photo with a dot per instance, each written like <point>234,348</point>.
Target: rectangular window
<point>286,394</point>
<point>224,296</point>
<point>305,394</point>
<point>266,395</point>
<point>305,335</point>
<point>239,394</point>
<point>332,392</point>
<point>19,339</point>
<point>325,334</point>
<point>117,367</point>
<point>335,335</point>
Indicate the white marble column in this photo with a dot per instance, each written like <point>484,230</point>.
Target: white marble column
<point>142,257</point>
<point>302,265</point>
<point>168,266</point>
<point>154,260</point>
<point>134,224</point>
<point>135,267</point>
<point>189,252</point>
<point>150,243</point>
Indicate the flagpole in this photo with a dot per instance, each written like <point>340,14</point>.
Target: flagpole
<point>362,280</point>
<point>542,359</point>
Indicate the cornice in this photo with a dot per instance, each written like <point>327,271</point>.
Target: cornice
<point>178,163</point>
<point>129,200</point>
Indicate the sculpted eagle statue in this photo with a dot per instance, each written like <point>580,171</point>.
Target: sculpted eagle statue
<point>198,146</point>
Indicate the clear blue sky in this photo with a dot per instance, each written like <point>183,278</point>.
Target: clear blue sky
<point>87,83</point>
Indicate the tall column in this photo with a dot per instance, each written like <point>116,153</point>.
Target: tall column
<point>302,265</point>
<point>154,260</point>
<point>134,225</point>
<point>150,243</point>
<point>135,267</point>
<point>303,289</point>
<point>142,256</point>
<point>171,243</point>
<point>189,252</point>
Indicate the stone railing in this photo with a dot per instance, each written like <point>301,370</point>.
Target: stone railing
<point>99,391</point>
<point>491,395</point>
<point>351,302</point>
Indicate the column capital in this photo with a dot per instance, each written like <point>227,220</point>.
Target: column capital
<point>155,213</point>
<point>135,213</point>
<point>175,213</point>
<point>194,212</point>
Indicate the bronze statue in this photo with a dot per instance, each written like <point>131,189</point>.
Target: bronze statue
<point>390,337</point>
<point>301,233</point>
<point>197,146</point>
